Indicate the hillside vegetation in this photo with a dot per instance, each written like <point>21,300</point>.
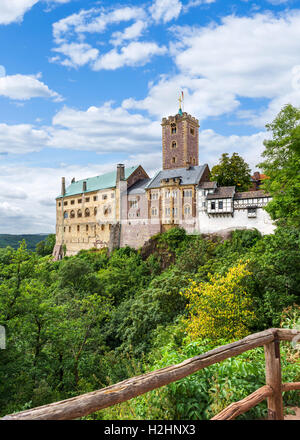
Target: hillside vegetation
<point>94,319</point>
<point>14,240</point>
<point>91,320</point>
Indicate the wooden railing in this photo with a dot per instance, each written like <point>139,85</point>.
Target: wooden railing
<point>91,402</point>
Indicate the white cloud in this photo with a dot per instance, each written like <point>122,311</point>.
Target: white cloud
<point>212,145</point>
<point>77,54</point>
<point>103,130</point>
<point>135,54</point>
<point>251,57</point>
<point>23,87</point>
<point>93,21</point>
<point>131,32</point>
<point>165,10</point>
<point>14,10</point>
<point>21,139</point>
<point>70,33</point>
<point>203,97</point>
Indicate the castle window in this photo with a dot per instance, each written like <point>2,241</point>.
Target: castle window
<point>72,202</point>
<point>65,203</point>
<point>168,211</point>
<point>95,211</point>
<point>79,200</point>
<point>174,211</point>
<point>133,204</point>
<point>65,214</point>
<point>194,161</point>
<point>102,227</point>
<point>174,159</point>
<point>167,194</point>
<point>220,204</point>
<point>213,205</point>
<point>87,228</point>
<point>72,214</point>
<point>87,212</point>
<point>192,131</point>
<point>174,194</point>
<point>104,196</point>
<point>154,211</point>
<point>87,199</point>
<point>173,128</point>
<point>95,198</point>
<point>252,212</point>
<point>59,204</point>
<point>78,228</point>
<point>69,228</point>
<point>154,196</point>
<point>187,210</point>
<point>174,144</point>
<point>187,193</point>
<point>79,213</point>
<point>64,229</point>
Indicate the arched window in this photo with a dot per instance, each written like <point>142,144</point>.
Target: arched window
<point>87,212</point>
<point>95,211</point>
<point>174,144</point>
<point>65,214</point>
<point>173,128</point>
<point>72,214</point>
<point>187,210</point>
<point>79,213</point>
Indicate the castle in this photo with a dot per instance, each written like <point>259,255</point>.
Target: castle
<point>127,207</point>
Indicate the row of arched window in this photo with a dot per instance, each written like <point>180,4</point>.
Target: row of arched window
<point>87,213</point>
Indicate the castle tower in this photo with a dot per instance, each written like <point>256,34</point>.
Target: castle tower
<point>180,141</point>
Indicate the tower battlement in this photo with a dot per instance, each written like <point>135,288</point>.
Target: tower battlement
<point>178,117</point>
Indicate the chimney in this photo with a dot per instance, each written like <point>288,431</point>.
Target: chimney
<point>63,186</point>
<point>84,185</point>
<point>73,180</point>
<point>120,172</point>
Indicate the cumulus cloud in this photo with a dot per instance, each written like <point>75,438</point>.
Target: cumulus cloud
<point>70,33</point>
<point>165,10</point>
<point>203,97</point>
<point>77,54</point>
<point>252,57</point>
<point>21,139</point>
<point>103,129</point>
<point>12,11</point>
<point>135,54</point>
<point>131,32</point>
<point>23,87</point>
<point>213,144</point>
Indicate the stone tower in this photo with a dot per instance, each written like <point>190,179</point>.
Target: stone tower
<point>180,141</point>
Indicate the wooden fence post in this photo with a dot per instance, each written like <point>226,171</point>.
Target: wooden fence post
<point>273,379</point>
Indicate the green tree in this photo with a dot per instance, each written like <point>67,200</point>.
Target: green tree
<point>282,165</point>
<point>45,247</point>
<point>232,171</point>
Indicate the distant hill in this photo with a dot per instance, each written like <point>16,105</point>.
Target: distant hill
<point>14,240</point>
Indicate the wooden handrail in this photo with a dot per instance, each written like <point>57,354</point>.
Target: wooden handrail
<point>89,403</point>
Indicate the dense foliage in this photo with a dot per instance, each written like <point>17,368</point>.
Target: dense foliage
<point>94,319</point>
<point>232,171</point>
<point>91,320</point>
<point>282,166</point>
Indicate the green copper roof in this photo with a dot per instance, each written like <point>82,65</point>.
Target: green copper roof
<point>97,183</point>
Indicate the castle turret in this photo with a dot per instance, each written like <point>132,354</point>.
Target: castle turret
<point>180,141</point>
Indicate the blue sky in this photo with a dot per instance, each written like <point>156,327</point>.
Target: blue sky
<point>84,85</point>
